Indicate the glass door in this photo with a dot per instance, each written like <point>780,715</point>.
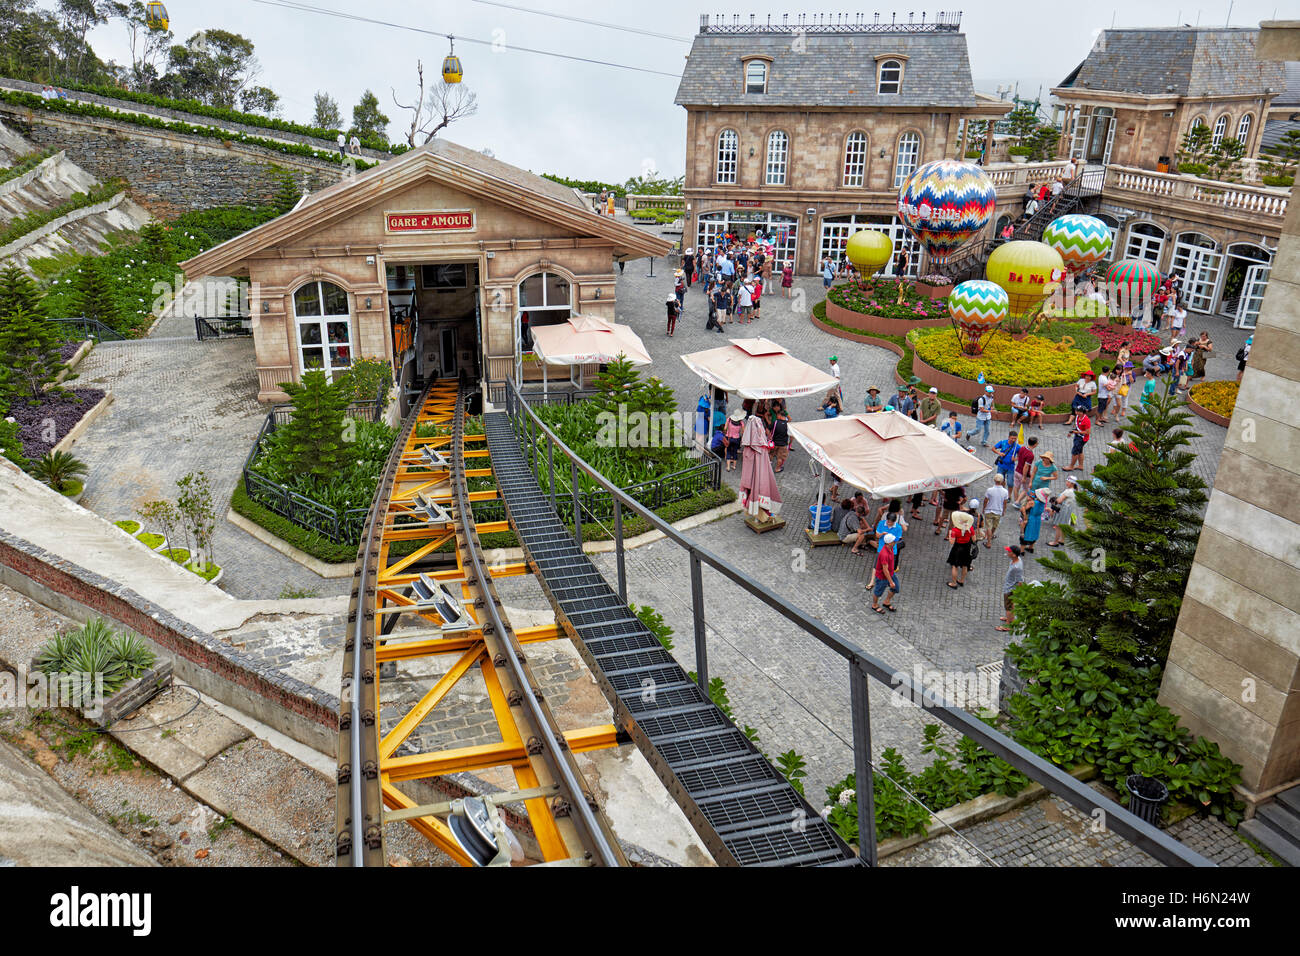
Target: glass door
<point>1252,296</point>
<point>1197,260</point>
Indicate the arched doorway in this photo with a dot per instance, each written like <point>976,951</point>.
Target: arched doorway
<point>1197,259</point>
<point>1246,270</point>
<point>837,229</point>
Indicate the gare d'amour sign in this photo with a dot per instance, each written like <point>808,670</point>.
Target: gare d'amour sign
<point>429,221</point>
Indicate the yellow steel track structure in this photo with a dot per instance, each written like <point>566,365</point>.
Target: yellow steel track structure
<point>435,455</point>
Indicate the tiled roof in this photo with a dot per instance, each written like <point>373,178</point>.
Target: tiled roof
<point>836,69</point>
<point>1185,61</point>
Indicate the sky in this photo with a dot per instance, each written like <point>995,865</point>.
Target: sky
<point>588,121</point>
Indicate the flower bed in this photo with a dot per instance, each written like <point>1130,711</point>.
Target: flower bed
<point>1034,361</point>
<point>1113,336</point>
<point>64,412</point>
<point>130,527</point>
<point>879,297</point>
<point>1214,401</point>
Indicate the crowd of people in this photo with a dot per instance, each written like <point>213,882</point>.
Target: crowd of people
<point>734,275</point>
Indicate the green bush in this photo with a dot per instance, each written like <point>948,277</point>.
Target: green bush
<point>95,648</point>
<point>25,164</point>
<point>310,542</point>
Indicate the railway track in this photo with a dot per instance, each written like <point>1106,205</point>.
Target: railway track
<point>413,599</point>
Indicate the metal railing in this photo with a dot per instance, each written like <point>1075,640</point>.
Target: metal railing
<point>943,22</point>
<point>221,327</point>
<point>861,665</point>
<point>342,526</point>
<point>90,329</point>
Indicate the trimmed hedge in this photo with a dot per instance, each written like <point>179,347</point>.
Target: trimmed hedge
<point>307,541</point>
<point>33,102</point>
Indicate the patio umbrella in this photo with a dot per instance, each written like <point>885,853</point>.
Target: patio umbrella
<point>584,339</point>
<point>757,480</point>
<point>887,454</point>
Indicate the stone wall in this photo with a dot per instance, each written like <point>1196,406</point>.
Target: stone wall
<point>170,173</point>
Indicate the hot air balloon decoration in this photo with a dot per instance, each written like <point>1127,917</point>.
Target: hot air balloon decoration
<point>1082,241</point>
<point>1029,272</point>
<point>1134,281</point>
<point>945,203</point>
<point>977,308</point>
<point>869,251</point>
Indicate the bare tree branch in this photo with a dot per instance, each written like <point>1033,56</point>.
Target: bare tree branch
<point>417,108</point>
<point>444,104</point>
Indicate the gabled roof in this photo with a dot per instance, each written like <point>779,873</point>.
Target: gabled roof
<point>833,69</point>
<point>1180,61</point>
<point>464,169</point>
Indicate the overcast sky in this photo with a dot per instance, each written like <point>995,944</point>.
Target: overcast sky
<point>601,122</point>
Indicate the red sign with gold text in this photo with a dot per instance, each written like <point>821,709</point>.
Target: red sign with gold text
<point>429,221</point>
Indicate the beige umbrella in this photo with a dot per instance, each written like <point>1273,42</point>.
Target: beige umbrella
<point>586,339</point>
<point>888,454</point>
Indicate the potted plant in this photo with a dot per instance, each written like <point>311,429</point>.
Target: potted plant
<point>1019,154</point>
<point>935,285</point>
<point>62,472</point>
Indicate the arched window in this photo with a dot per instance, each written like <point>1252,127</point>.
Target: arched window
<point>855,160</point>
<point>1199,121</point>
<point>1243,129</point>
<point>1145,241</point>
<point>778,154</point>
<point>728,149</point>
<point>324,323</point>
<point>1220,128</point>
<point>891,76</point>
<point>909,152</point>
<point>756,76</point>
<point>544,299</point>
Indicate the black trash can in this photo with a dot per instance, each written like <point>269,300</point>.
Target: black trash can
<point>1146,796</point>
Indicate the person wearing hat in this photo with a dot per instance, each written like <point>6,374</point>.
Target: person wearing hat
<point>1044,472</point>
<point>735,425</point>
<point>962,537</point>
<point>835,370</point>
<point>904,402</point>
<point>688,265</point>
<point>1015,576</point>
<point>873,402</point>
<point>884,576</point>
<point>679,288</point>
<point>1084,389</point>
<point>1031,518</point>
<point>930,408</point>
<point>1243,356</point>
<point>984,415</point>
<point>674,310</point>
<point>1063,511</point>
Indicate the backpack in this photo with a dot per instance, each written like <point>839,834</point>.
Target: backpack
<point>975,405</point>
<point>1241,354</point>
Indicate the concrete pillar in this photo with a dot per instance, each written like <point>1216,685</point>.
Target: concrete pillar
<point>1233,673</point>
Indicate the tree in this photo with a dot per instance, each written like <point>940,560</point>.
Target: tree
<point>1195,150</point>
<point>651,184</point>
<point>194,505</point>
<point>11,445</point>
<point>213,67</point>
<point>77,18</point>
<point>1284,156</point>
<point>327,114</point>
<point>1225,163</point>
<point>29,355</point>
<point>260,99</point>
<point>148,47</point>
<point>313,439</point>
<point>367,121</point>
<point>444,104</point>
<point>94,296</point>
<point>18,291</point>
<point>1136,543</point>
<point>646,408</point>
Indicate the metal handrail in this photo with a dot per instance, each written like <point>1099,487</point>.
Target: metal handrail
<point>862,665</point>
<point>92,327</point>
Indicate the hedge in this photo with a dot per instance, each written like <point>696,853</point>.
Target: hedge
<point>307,541</point>
<point>33,102</point>
<point>34,220</point>
<point>25,164</point>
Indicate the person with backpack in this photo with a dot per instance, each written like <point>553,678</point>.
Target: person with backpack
<point>983,409</point>
<point>674,310</point>
<point>781,438</point>
<point>734,428</point>
<point>712,323</point>
<point>1243,356</point>
<point>1008,451</point>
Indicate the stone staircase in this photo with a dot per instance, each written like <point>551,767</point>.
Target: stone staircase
<point>1276,826</point>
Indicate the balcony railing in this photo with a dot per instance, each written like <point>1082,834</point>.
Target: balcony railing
<point>1266,201</point>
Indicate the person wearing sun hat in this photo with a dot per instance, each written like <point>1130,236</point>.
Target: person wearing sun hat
<point>1031,518</point>
<point>674,310</point>
<point>962,537</point>
<point>873,402</point>
<point>1044,472</point>
<point>1063,511</point>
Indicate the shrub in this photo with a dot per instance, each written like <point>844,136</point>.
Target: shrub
<point>1113,337</point>
<point>1032,361</point>
<point>1217,397</point>
<point>881,297</point>
<point>310,542</point>
<point>95,648</point>
<point>59,470</point>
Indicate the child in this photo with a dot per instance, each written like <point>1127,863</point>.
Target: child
<point>1035,412</point>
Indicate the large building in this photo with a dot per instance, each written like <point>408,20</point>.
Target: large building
<point>1128,107</point>
<point>434,261</point>
<point>806,129</point>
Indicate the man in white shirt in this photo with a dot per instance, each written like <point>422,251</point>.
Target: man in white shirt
<point>343,147</point>
<point>835,370</point>
<point>995,503</point>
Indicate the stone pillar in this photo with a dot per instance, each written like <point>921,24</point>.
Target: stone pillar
<point>1233,673</point>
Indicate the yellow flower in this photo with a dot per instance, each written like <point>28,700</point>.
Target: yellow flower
<point>1033,361</point>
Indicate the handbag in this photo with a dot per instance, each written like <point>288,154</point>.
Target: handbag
<point>1123,390</point>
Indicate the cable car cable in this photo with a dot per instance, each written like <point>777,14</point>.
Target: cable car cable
<point>594,23</point>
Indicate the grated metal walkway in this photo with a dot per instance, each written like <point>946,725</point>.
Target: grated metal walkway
<point>742,807</point>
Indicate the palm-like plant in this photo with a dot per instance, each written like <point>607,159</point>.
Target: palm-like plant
<point>58,468</point>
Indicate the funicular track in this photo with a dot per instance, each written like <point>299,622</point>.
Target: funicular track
<point>413,602</point>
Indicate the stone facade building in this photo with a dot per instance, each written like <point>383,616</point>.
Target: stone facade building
<point>435,261</point>
<point>806,129</point>
<point>1128,106</point>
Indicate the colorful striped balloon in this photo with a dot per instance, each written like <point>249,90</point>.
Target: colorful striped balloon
<point>1133,275</point>
<point>1028,271</point>
<point>977,308</point>
<point>1082,241</point>
<point>944,203</point>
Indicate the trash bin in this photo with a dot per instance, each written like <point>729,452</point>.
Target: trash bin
<point>1162,165</point>
<point>819,518</point>
<point>1146,796</point>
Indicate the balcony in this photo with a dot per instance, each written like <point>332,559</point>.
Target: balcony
<point>1230,203</point>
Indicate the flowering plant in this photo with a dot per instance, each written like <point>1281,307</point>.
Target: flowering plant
<point>1217,397</point>
<point>935,278</point>
<point>1113,336</point>
<point>1033,361</point>
<point>888,298</point>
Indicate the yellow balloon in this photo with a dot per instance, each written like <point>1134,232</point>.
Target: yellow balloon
<point>869,250</point>
<point>1028,271</point>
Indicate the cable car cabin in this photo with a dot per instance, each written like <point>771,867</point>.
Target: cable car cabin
<point>451,71</point>
<point>156,16</point>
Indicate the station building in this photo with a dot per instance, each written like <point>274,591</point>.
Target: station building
<point>437,261</point>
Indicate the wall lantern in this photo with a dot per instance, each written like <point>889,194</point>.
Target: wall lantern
<point>367,302</point>
<point>266,306</point>
<point>598,293</point>
<point>882,152</point>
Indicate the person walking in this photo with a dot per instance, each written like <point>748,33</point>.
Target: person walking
<point>1015,575</point>
<point>744,300</point>
<point>1024,470</point>
<point>1081,432</point>
<point>688,266</point>
<point>884,577</point>
<point>1243,356</point>
<point>712,323</point>
<point>1105,392</point>
<point>984,415</point>
<point>1031,518</point>
<point>674,310</point>
<point>892,523</point>
<point>828,272</point>
<point>787,278</point>
<point>343,147</point>
<point>1063,511</point>
<point>1007,452</point>
<point>679,288</point>
<point>995,504</point>
<point>962,537</point>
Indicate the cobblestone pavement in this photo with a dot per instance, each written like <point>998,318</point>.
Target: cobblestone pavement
<point>180,405</point>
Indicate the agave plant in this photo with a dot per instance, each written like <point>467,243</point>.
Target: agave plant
<point>57,469</point>
<point>95,648</point>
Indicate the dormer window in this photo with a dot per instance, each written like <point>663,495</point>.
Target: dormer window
<point>890,75</point>
<point>756,76</point>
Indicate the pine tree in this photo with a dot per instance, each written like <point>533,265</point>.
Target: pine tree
<point>29,355</point>
<point>646,408</point>
<point>314,441</point>
<point>1136,542</point>
<point>95,297</point>
<point>18,291</point>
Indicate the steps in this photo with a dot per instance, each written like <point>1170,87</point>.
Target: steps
<point>1276,826</point>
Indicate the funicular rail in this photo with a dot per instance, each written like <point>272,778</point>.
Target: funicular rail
<point>731,795</point>
<point>449,606</point>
